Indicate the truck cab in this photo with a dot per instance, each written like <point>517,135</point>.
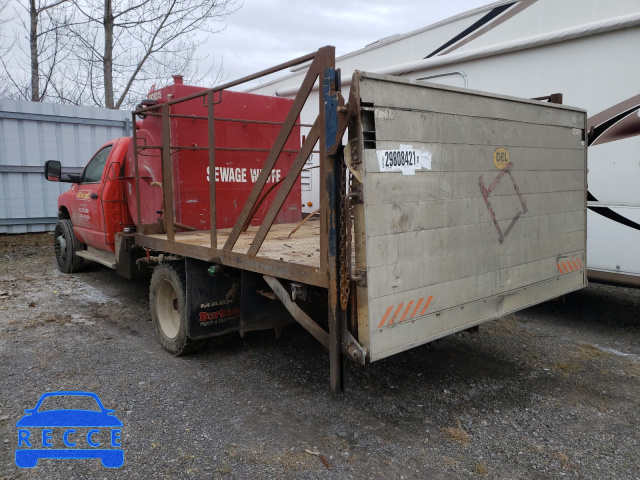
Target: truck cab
<point>94,209</point>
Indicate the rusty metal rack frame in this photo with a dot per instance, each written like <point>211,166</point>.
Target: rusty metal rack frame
<point>327,131</point>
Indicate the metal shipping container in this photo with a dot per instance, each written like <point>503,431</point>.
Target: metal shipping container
<point>31,133</point>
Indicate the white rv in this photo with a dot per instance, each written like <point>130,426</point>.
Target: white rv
<point>586,50</point>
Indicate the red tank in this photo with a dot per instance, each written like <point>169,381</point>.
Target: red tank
<point>241,148</point>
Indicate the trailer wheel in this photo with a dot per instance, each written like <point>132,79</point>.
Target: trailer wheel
<point>168,312</point>
<point>66,245</point>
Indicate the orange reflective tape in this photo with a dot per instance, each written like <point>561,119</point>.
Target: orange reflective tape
<point>566,267</point>
<point>415,310</point>
<point>560,269</point>
<point>579,262</point>
<point>396,314</point>
<point>575,264</point>
<point>406,311</point>
<point>386,314</point>
<point>426,305</point>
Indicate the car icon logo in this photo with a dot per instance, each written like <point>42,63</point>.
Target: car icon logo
<point>92,431</point>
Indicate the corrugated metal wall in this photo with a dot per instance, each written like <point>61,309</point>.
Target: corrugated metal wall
<point>30,134</point>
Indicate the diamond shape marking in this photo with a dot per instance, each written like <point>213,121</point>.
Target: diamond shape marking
<point>485,196</point>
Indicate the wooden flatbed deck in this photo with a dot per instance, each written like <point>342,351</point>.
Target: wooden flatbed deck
<point>302,248</point>
<point>295,258</point>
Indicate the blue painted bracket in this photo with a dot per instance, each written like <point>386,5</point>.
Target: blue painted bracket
<point>331,85</point>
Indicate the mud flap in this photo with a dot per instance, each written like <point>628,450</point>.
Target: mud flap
<point>213,302</point>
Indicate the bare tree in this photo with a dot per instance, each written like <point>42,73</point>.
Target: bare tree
<point>49,47</point>
<point>46,50</point>
<point>128,44</point>
<point>3,21</point>
<point>35,12</point>
<point>5,85</point>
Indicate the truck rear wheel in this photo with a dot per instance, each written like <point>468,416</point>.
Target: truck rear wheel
<point>168,309</point>
<point>66,245</point>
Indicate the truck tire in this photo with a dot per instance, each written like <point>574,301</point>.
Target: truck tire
<point>168,310</point>
<point>66,245</point>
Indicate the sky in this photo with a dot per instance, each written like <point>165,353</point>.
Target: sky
<point>264,33</point>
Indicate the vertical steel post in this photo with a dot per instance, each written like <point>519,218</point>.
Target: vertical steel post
<point>332,179</point>
<point>212,174</point>
<point>167,174</point>
<point>136,174</point>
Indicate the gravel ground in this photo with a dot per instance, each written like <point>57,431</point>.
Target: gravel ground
<point>550,392</point>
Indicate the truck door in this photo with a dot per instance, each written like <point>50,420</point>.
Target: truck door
<point>86,215</point>
<point>98,201</point>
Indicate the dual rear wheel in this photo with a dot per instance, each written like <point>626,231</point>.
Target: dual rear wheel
<point>167,297</point>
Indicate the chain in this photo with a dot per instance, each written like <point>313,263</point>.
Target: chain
<point>345,238</point>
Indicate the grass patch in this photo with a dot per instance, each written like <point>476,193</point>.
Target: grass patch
<point>567,366</point>
<point>450,462</point>
<point>586,352</point>
<point>563,459</point>
<point>457,433</point>
<point>580,355</point>
<point>481,468</point>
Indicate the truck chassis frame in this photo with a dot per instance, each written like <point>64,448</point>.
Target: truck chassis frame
<point>259,249</point>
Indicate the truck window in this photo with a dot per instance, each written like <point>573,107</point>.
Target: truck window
<point>93,171</point>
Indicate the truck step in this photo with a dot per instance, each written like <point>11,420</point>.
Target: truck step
<point>105,258</point>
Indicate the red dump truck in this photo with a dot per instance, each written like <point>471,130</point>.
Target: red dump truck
<point>446,208</point>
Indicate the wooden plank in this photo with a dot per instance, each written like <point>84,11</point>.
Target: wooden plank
<point>303,248</point>
<point>296,272</point>
<point>429,214</point>
<point>410,94</point>
<point>406,126</point>
<point>448,157</point>
<point>411,333</point>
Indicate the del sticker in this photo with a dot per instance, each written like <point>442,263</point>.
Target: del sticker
<point>501,158</point>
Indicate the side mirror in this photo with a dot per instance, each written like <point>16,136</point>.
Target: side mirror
<point>52,170</point>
